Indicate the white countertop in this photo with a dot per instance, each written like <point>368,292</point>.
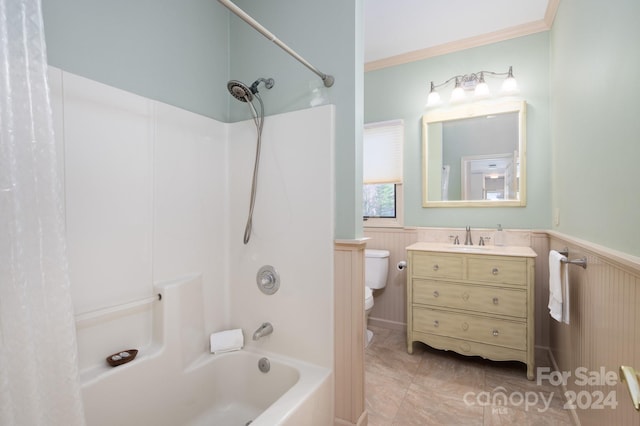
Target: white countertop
<point>519,251</point>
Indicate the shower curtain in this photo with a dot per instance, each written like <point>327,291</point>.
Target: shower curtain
<point>38,354</point>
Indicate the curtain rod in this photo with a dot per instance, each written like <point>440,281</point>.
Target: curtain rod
<point>326,78</point>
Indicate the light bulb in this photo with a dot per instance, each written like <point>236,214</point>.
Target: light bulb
<point>509,86</point>
<point>434,99</point>
<point>458,95</point>
<point>482,91</point>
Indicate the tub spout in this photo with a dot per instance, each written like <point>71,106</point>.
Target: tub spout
<point>263,330</point>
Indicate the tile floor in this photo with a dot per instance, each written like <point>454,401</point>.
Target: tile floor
<point>432,387</point>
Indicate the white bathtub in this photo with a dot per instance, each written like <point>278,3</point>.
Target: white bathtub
<point>169,384</point>
<point>244,393</point>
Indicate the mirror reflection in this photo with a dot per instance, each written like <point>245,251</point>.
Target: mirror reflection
<point>474,155</point>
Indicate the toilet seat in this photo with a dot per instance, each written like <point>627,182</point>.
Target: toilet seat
<point>368,298</point>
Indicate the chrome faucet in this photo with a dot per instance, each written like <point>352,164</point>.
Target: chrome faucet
<point>467,238</point>
<point>263,330</point>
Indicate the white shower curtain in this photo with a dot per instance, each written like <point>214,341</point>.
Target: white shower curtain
<point>38,353</point>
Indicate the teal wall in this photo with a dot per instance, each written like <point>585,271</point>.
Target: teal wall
<point>401,92</point>
<point>184,52</point>
<point>595,123</point>
<point>171,51</point>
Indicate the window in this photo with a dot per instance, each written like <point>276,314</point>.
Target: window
<point>382,173</point>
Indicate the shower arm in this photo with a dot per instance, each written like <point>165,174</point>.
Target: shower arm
<point>326,78</point>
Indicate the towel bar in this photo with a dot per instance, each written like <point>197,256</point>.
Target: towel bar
<point>580,262</point>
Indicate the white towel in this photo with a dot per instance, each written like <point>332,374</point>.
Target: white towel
<point>558,287</point>
<point>226,341</point>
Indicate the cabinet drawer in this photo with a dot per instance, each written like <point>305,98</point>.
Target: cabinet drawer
<point>498,270</point>
<point>492,331</point>
<point>432,265</point>
<point>493,300</point>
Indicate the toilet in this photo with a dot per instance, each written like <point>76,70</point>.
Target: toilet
<point>376,268</point>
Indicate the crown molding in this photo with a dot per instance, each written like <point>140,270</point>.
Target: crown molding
<point>467,43</point>
<point>550,14</point>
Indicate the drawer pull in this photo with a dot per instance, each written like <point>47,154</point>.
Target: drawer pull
<point>436,323</point>
<point>495,271</point>
<point>436,267</point>
<point>495,300</point>
<point>465,347</point>
<point>465,326</point>
<point>436,294</point>
<point>465,296</point>
<point>495,332</point>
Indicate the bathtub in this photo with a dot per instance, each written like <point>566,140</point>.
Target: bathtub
<point>170,383</point>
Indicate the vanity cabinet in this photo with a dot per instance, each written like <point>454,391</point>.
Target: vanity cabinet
<point>472,300</point>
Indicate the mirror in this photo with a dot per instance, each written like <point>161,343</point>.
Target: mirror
<point>474,156</point>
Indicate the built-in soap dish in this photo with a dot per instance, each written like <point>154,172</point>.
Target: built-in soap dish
<point>121,357</point>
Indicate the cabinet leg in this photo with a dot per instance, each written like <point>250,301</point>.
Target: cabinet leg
<point>531,375</point>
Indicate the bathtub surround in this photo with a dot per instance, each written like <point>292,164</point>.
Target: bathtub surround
<point>205,389</point>
<point>295,190</point>
<point>151,198</point>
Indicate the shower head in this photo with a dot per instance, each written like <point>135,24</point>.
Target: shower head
<point>244,93</point>
<point>240,91</point>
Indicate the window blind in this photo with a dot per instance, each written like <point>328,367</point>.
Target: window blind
<point>382,152</point>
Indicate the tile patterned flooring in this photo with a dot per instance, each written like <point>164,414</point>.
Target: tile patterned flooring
<point>432,387</point>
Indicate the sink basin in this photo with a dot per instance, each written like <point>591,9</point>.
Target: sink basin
<point>479,250</point>
<point>471,248</point>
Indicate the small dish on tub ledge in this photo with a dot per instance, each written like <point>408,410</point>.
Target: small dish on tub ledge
<point>122,357</point>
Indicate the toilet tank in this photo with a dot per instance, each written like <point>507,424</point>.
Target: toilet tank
<point>376,267</point>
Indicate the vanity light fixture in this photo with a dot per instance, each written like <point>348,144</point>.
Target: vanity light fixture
<point>474,81</point>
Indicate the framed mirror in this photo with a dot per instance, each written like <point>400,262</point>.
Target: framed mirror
<point>475,156</point>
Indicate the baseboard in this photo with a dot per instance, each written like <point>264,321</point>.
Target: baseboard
<point>574,413</point>
<point>363,420</point>
<point>391,325</point>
